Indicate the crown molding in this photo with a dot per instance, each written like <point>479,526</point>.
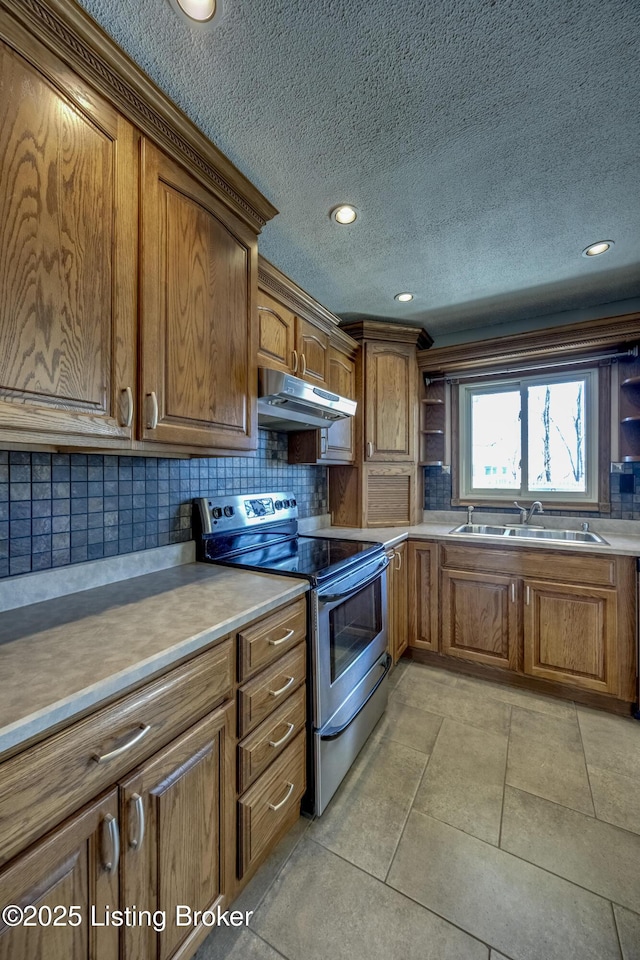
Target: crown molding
<point>573,340</point>
<point>386,330</point>
<point>76,38</point>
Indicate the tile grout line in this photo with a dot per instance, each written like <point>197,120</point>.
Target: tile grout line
<point>615,927</point>
<point>413,799</point>
<point>586,768</point>
<point>406,896</point>
<point>504,781</point>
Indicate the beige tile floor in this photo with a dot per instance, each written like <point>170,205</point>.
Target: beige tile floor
<point>478,823</point>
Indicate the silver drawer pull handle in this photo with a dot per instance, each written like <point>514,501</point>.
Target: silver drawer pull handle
<point>276,643</point>
<point>137,804</point>
<point>128,420</point>
<point>152,422</point>
<point>276,806</point>
<point>276,693</point>
<point>136,738</point>
<point>110,844</point>
<point>277,743</point>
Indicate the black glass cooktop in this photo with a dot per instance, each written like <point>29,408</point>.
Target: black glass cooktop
<point>315,558</point>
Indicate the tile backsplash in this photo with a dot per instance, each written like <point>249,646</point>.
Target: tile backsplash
<point>57,509</point>
<point>625,494</point>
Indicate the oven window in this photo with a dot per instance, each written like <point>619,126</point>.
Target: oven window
<point>353,624</point>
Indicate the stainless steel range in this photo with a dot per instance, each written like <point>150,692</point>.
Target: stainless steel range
<point>347,620</point>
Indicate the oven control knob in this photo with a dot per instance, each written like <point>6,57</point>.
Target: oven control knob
<point>292,503</point>
<point>228,511</point>
<point>279,504</point>
<point>217,513</point>
<point>285,503</point>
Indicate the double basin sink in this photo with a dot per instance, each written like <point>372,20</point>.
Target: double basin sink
<point>530,533</point>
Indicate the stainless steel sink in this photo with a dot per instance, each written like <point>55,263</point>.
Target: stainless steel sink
<point>530,533</point>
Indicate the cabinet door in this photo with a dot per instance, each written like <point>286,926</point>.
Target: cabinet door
<point>312,345</point>
<point>178,834</point>
<point>398,601</point>
<point>199,269</point>
<point>75,866</point>
<point>276,335</point>
<point>339,444</point>
<point>390,402</point>
<point>570,634</point>
<point>423,591</point>
<point>68,255</point>
<point>480,618</point>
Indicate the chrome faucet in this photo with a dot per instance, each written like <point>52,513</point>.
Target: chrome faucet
<point>470,510</point>
<point>527,512</point>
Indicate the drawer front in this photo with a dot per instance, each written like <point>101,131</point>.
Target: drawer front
<point>568,567</point>
<point>260,696</point>
<point>264,642</point>
<point>270,803</point>
<point>47,782</point>
<point>270,738</point>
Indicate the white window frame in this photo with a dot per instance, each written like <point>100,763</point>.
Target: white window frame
<point>467,492</point>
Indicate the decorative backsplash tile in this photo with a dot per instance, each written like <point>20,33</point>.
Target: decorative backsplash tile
<point>625,494</point>
<point>57,509</point>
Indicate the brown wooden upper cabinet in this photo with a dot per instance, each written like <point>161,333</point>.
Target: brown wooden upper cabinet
<point>290,343</point>
<point>115,336</point>
<point>390,402</point>
<point>198,268</point>
<point>68,254</point>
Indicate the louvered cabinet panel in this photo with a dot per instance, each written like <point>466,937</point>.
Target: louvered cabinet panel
<point>390,497</point>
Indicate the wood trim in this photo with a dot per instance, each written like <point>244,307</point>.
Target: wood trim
<point>72,34</point>
<point>279,285</point>
<point>575,339</point>
<point>374,329</point>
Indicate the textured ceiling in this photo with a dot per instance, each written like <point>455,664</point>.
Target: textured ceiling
<point>484,142</point>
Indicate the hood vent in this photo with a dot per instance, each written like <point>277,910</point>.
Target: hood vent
<point>288,403</point>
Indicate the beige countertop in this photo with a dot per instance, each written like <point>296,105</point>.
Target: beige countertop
<point>622,536</point>
<point>61,657</point>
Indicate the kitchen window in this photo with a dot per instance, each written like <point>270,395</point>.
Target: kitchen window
<point>534,437</point>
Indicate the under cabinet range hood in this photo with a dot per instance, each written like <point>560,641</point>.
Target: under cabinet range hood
<point>289,403</point>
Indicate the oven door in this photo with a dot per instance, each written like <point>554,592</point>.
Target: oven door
<point>349,634</point>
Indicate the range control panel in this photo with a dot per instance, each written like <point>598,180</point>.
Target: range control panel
<point>226,513</point>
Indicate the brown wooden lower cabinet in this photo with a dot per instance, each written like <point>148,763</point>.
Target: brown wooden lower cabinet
<point>570,634</point>
<point>479,618</point>
<point>58,882</point>
<point>178,836</point>
<point>397,602</point>
<point>561,618</point>
<point>423,595</point>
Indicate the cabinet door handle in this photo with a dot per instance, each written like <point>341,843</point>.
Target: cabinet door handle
<point>278,743</point>
<point>128,419</point>
<point>276,693</point>
<point>303,364</point>
<point>527,595</point>
<point>294,360</point>
<point>276,643</point>
<point>398,558</point>
<point>369,448</point>
<point>152,422</point>
<point>276,806</point>
<point>110,844</point>
<point>137,809</point>
<point>136,738</point>
<point>513,592</point>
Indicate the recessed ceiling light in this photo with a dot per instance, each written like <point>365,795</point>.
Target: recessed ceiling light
<point>595,249</point>
<point>403,297</point>
<point>344,213</point>
<point>200,11</point>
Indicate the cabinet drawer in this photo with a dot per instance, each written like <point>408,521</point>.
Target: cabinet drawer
<point>47,782</point>
<point>264,642</point>
<point>268,690</point>
<point>574,567</point>
<point>270,738</point>
<point>272,801</point>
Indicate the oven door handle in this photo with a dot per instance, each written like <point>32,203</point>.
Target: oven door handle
<point>335,597</point>
<point>334,732</point>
